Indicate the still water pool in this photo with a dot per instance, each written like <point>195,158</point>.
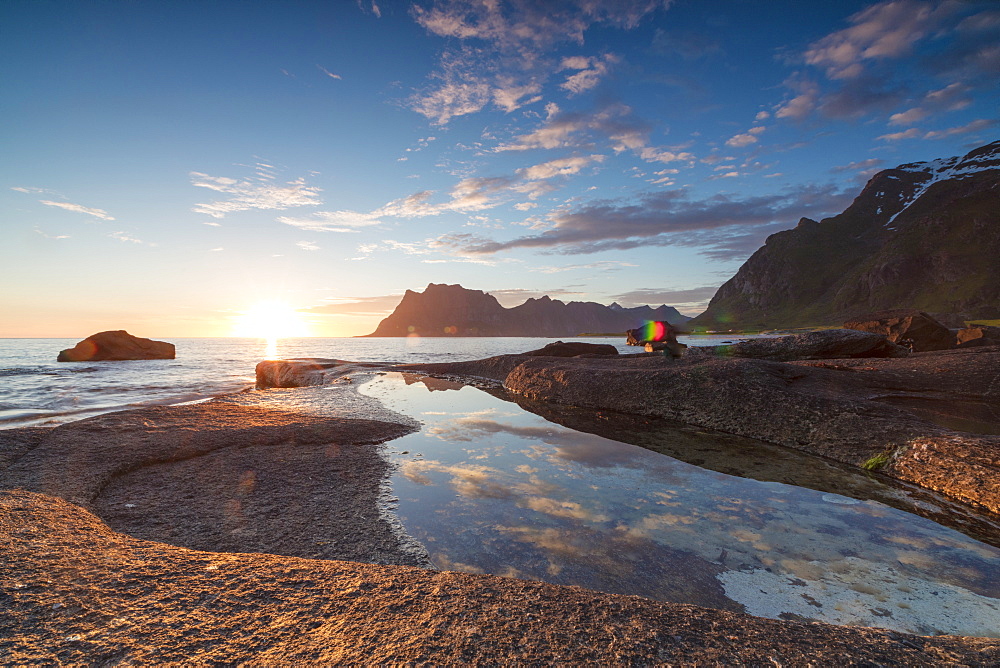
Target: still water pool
<point>489,487</point>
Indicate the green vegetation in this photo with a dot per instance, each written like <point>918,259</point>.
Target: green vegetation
<point>992,323</point>
<point>876,462</point>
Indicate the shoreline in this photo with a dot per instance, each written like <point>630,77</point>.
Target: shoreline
<point>82,591</point>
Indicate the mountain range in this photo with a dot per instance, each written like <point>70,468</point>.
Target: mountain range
<point>923,235</point>
<point>451,310</point>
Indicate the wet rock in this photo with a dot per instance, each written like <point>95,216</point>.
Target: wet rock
<point>572,349</point>
<point>827,344</point>
<point>906,325</point>
<point>117,345</point>
<point>296,372</point>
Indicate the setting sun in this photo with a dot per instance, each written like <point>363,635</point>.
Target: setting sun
<point>270,320</point>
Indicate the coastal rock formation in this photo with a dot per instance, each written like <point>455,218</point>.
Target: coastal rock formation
<point>924,235</point>
<point>923,332</point>
<point>897,415</point>
<point>117,345</point>
<point>572,349</point>
<point>98,519</point>
<point>451,310</point>
<point>821,345</point>
<point>978,335</point>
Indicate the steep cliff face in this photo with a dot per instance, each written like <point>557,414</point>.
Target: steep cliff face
<point>451,310</point>
<point>923,235</point>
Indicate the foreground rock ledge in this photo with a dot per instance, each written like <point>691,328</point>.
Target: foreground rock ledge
<point>76,592</point>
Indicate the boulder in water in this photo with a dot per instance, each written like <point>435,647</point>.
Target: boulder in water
<point>117,345</point>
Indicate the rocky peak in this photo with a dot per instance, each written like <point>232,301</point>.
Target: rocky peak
<point>451,310</point>
<point>922,235</point>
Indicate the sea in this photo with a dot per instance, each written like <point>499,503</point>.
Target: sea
<point>35,390</point>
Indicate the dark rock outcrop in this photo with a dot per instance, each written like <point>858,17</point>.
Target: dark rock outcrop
<point>821,345</point>
<point>451,310</point>
<point>901,414</point>
<point>924,235</point>
<point>978,335</point>
<point>117,345</point>
<point>817,407</point>
<point>918,329</point>
<point>572,349</point>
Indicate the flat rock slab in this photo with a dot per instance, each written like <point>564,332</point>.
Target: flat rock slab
<point>76,592</point>
<point>223,477</point>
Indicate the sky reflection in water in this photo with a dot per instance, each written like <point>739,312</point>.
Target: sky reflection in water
<point>491,488</point>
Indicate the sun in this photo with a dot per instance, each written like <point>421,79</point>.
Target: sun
<point>270,320</point>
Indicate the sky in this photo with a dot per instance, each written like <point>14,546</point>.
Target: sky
<point>171,168</point>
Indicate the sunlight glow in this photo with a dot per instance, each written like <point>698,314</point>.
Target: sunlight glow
<point>270,320</point>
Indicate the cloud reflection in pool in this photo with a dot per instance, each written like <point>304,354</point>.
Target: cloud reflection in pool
<point>488,487</point>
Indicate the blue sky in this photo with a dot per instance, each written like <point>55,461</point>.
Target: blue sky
<point>169,165</point>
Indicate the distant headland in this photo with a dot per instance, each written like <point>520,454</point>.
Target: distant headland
<point>451,310</point>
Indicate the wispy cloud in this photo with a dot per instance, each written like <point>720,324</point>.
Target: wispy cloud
<point>613,125</point>
<point>126,237</point>
<point>914,133</point>
<point>357,306</point>
<point>973,126</point>
<point>722,224</point>
<point>79,208</point>
<point>589,73</point>
<point>332,221</point>
<point>503,53</point>
<point>560,167</point>
<point>329,73</point>
<point>861,165</point>
<point>604,265</point>
<point>950,98</point>
<point>884,30</point>
<point>307,245</point>
<point>51,236</point>
<point>747,138</point>
<point>864,67</point>
<point>529,24</point>
<point>253,193</point>
<point>642,296</point>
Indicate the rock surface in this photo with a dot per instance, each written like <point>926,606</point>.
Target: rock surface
<point>572,349</point>
<point>825,344</point>
<point>76,592</point>
<point>117,345</point>
<point>237,480</point>
<point>924,332</point>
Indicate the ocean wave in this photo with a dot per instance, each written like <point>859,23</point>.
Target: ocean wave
<point>21,371</point>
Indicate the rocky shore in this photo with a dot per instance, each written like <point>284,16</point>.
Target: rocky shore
<point>233,531</point>
<point>931,419</point>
